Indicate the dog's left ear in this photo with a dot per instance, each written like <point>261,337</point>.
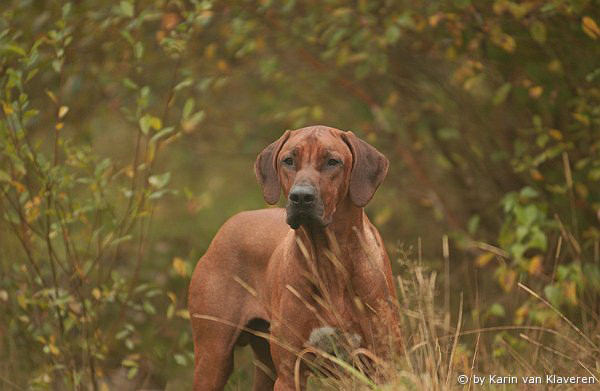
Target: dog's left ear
<point>265,168</point>
<point>369,167</point>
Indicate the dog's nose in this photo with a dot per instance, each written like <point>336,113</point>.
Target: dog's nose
<point>302,195</point>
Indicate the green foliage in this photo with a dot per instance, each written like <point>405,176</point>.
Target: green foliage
<point>128,131</point>
<point>76,302</point>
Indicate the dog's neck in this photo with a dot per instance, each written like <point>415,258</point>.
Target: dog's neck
<point>329,253</point>
<point>345,221</point>
<point>339,238</point>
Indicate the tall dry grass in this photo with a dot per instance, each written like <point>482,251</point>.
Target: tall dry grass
<point>442,341</point>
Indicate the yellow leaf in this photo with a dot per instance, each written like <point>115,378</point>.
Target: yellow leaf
<point>7,108</point>
<point>383,216</point>
<point>502,39</point>
<point>160,35</point>
<point>59,126</point>
<point>536,92</point>
<point>19,187</point>
<point>535,265</point>
<point>32,210</point>
<point>222,65</point>
<point>96,293</point>
<point>172,296</point>
<point>584,119</point>
<point>590,27</point>
<point>581,190</point>
<point>570,290</point>
<point>183,314</point>
<point>521,313</point>
<point>51,96</point>
<point>555,134</point>
<point>128,171</point>
<point>209,50</point>
<point>53,349</point>
<point>508,43</point>
<point>435,19</point>
<point>507,280</point>
<point>484,259</point>
<point>180,266</point>
<point>22,301</point>
<point>155,123</point>
<point>554,66</point>
<point>62,111</point>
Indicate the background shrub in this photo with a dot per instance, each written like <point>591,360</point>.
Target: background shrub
<point>128,132</point>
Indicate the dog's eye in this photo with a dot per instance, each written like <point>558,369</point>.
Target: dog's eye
<point>333,162</point>
<point>288,161</point>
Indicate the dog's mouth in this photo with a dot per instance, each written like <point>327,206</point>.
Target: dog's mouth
<point>297,216</point>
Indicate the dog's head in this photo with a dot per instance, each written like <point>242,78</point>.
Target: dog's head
<point>317,167</point>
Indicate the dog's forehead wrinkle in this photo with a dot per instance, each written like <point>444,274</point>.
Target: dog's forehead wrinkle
<point>321,148</point>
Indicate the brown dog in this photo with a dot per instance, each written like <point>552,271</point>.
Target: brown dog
<point>328,275</point>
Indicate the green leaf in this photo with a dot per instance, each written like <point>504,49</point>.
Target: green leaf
<point>132,372</point>
<point>526,215</point>
<point>538,240</point>
<point>120,240</point>
<point>496,310</point>
<point>149,308</point>
<point>592,276</point>
<point>159,193</point>
<point>180,359</point>
<point>554,295</point>
<point>126,8</point>
<point>473,224</point>
<point>186,83</point>
<point>501,94</point>
<point>14,49</point>
<point>138,50</point>
<point>162,134</point>
<point>127,82</point>
<point>145,124</point>
<point>528,192</point>
<point>538,31</point>
<point>4,177</point>
<point>392,34</point>
<point>187,108</point>
<point>129,363</point>
<point>159,181</point>
<point>148,121</point>
<point>194,120</point>
<point>517,250</point>
<point>122,334</point>
<point>448,134</point>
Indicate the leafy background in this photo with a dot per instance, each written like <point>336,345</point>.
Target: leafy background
<point>128,132</point>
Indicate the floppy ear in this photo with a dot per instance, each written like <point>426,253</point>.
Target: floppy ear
<point>265,168</point>
<point>369,167</point>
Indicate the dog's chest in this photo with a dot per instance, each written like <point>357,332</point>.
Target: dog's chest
<point>336,307</point>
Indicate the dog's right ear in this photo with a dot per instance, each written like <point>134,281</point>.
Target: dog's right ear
<point>265,168</point>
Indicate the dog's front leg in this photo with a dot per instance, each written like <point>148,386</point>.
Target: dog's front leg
<point>291,324</point>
